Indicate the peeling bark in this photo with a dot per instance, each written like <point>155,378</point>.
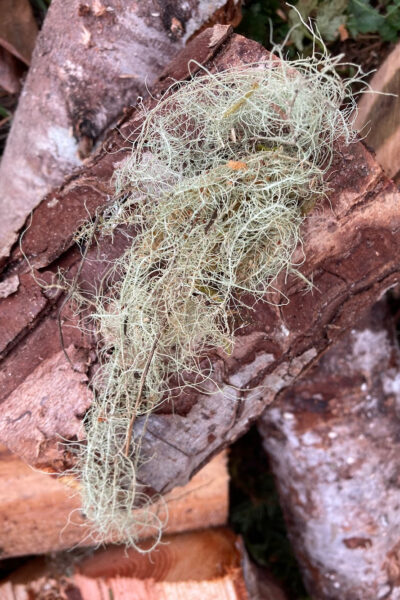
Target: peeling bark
<point>91,61</point>
<point>57,395</point>
<point>352,245</point>
<point>333,443</point>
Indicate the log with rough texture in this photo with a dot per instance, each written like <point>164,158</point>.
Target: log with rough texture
<point>333,445</point>
<point>378,116</point>
<point>352,244</point>
<point>92,60</point>
<point>207,565</point>
<point>40,514</point>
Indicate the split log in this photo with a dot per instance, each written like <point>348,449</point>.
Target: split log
<point>40,514</point>
<point>333,445</point>
<point>206,564</point>
<point>211,565</point>
<point>92,59</point>
<point>352,246</point>
<point>379,115</point>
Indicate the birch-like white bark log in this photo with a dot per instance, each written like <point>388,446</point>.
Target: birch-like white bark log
<point>333,444</point>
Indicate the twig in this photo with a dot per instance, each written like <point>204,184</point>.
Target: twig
<point>211,221</point>
<point>128,438</point>
<point>5,120</point>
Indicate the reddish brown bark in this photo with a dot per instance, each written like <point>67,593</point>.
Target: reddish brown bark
<point>333,443</point>
<point>352,247</point>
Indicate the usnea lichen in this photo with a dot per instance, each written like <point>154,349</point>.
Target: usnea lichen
<point>216,189</point>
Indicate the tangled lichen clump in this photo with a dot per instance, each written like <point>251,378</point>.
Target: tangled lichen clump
<point>216,189</point>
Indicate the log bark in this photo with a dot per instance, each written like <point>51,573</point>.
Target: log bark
<point>92,60</point>
<point>210,565</point>
<point>40,514</point>
<point>333,445</point>
<point>352,246</point>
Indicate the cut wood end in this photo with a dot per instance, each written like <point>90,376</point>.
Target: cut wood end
<point>188,566</point>
<point>39,513</point>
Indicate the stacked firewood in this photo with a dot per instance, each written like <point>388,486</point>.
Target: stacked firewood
<point>326,364</point>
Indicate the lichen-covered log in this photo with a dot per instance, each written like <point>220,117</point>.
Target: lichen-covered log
<point>333,443</point>
<point>352,246</point>
<point>92,60</point>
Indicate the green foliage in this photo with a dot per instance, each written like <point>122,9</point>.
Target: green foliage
<point>329,15</point>
<point>358,16</point>
<point>4,112</point>
<point>364,18</point>
<point>255,21</point>
<point>41,5</point>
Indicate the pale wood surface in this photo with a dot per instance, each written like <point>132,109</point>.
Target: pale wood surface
<point>378,118</point>
<point>39,513</point>
<point>201,565</point>
<point>191,566</point>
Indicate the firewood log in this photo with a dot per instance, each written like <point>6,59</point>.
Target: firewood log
<point>211,565</point>
<point>352,247</point>
<point>40,514</point>
<point>333,445</point>
<point>92,60</point>
<point>378,118</point>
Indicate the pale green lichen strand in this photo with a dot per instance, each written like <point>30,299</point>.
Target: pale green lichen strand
<point>215,187</point>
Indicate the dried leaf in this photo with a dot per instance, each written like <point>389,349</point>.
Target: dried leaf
<point>18,29</point>
<point>10,72</point>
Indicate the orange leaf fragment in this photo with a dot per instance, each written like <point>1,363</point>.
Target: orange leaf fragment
<point>236,165</point>
<point>343,33</point>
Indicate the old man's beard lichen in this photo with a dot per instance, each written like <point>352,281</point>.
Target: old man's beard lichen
<point>221,176</point>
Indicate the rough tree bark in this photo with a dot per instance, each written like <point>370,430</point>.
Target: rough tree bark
<point>352,248</point>
<point>333,444</point>
<point>91,60</point>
